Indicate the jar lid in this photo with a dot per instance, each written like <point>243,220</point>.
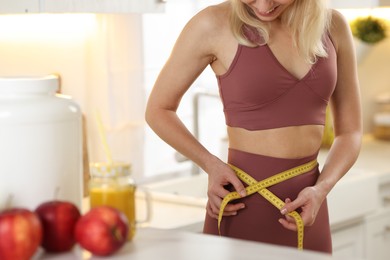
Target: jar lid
<point>31,84</point>
<point>116,169</point>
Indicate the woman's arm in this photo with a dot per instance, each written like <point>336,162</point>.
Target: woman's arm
<point>346,108</point>
<point>346,111</point>
<point>192,53</point>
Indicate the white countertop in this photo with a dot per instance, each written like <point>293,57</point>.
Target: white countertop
<point>362,183</point>
<point>163,242</point>
<point>374,157</point>
<point>174,245</point>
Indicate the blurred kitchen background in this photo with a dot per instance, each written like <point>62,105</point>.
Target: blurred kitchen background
<point>108,54</point>
<point>109,62</point>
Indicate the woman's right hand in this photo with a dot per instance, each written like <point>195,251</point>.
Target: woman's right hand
<point>221,175</point>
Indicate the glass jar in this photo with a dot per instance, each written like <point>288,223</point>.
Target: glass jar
<point>111,185</point>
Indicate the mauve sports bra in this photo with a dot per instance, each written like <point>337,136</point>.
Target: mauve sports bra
<point>258,93</point>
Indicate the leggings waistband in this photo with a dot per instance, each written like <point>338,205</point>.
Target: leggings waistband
<point>262,166</point>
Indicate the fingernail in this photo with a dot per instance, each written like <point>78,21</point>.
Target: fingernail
<point>242,207</point>
<point>283,211</point>
<point>242,193</point>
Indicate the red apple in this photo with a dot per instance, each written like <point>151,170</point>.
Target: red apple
<point>102,231</point>
<point>20,234</point>
<point>58,219</point>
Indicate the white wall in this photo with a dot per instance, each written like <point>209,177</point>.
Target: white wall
<point>99,58</point>
<point>115,89</point>
<point>374,66</point>
<point>158,44</point>
<point>374,78</point>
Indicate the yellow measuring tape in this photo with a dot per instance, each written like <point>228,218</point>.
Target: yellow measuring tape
<point>261,188</point>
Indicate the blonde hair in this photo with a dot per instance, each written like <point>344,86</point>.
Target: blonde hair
<point>308,20</point>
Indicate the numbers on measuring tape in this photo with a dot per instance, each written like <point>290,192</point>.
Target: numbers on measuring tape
<point>261,188</point>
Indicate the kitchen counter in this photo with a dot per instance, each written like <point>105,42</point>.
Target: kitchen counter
<point>362,183</point>
<point>174,245</point>
<point>165,238</point>
<point>374,157</point>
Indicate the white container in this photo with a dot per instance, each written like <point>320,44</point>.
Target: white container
<point>40,143</point>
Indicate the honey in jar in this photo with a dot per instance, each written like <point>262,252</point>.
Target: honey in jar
<point>111,185</point>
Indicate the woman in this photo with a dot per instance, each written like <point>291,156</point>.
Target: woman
<point>278,64</point>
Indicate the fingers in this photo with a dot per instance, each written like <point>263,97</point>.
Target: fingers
<point>308,213</point>
<point>288,223</point>
<point>214,203</point>
<point>238,186</point>
<point>210,210</point>
<point>217,192</point>
<point>291,205</point>
<point>230,209</point>
<point>215,199</point>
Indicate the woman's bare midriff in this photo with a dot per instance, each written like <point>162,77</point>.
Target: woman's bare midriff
<point>286,142</point>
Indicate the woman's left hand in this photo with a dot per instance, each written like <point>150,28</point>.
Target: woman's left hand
<point>309,200</point>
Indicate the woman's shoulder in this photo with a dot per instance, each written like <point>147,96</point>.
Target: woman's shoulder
<point>339,27</point>
<point>212,19</point>
<point>338,19</point>
<point>216,12</point>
